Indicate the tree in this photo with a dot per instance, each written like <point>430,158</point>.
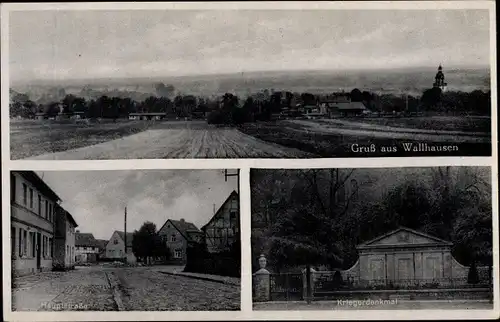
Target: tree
<point>163,90</point>
<point>356,95</point>
<point>431,98</point>
<point>145,243</point>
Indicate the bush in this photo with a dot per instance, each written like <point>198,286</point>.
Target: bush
<point>199,260</point>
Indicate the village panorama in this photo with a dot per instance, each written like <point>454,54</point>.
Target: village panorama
<point>58,123</point>
<point>129,251</point>
<point>206,84</point>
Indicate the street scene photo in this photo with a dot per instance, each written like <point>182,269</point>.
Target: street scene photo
<point>125,240</point>
<point>171,83</point>
<point>372,238</point>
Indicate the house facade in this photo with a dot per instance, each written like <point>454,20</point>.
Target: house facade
<point>32,223</point>
<point>223,229</point>
<point>406,256</point>
<point>115,248</point>
<point>64,236</point>
<point>86,248</point>
<point>177,234</point>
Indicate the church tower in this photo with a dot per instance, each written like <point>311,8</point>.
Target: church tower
<point>439,79</point>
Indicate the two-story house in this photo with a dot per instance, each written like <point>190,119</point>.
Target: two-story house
<point>177,234</point>
<point>86,248</point>
<point>32,223</point>
<point>64,236</point>
<point>115,248</point>
<point>223,229</point>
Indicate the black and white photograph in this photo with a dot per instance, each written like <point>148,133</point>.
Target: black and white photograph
<point>259,83</point>
<point>125,240</point>
<point>372,239</point>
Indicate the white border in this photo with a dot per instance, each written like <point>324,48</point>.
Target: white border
<point>246,312</point>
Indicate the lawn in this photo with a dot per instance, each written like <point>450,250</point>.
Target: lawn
<point>32,137</point>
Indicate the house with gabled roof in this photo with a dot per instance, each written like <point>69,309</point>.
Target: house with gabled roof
<point>86,248</point>
<point>178,234</point>
<point>115,248</point>
<point>223,228</point>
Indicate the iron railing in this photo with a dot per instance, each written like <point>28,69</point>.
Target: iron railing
<point>286,286</point>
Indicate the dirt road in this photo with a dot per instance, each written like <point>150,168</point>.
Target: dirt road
<point>175,142</point>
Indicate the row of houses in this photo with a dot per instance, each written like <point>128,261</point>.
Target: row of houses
<point>219,234</point>
<point>44,235</point>
<point>42,232</point>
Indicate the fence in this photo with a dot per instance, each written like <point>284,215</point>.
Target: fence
<point>311,284</point>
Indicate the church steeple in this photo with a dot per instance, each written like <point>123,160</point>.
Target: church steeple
<point>439,79</point>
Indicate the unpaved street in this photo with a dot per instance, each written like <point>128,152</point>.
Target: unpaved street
<point>179,140</point>
<point>101,288</point>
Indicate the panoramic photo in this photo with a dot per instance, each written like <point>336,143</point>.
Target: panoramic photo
<point>404,239</point>
<point>127,240</point>
<point>167,84</point>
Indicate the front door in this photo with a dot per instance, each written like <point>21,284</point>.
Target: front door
<point>38,251</point>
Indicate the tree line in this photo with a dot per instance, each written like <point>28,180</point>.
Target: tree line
<point>318,216</point>
<point>231,109</point>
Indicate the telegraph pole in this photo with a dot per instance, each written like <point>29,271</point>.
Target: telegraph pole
<point>125,234</point>
<point>237,174</point>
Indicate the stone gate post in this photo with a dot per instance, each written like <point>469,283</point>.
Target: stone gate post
<point>262,282</point>
<point>312,279</point>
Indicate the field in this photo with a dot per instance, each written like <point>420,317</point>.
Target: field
<point>336,137</point>
<point>29,137</point>
<point>51,140</point>
<point>139,140</point>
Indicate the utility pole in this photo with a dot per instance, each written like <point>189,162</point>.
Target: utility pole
<point>237,174</point>
<point>125,234</point>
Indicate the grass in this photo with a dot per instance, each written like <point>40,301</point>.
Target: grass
<point>30,137</point>
<point>442,123</point>
<point>337,145</point>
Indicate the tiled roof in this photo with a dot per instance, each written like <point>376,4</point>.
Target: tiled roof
<point>101,243</point>
<point>130,236</point>
<point>184,227</point>
<point>85,239</point>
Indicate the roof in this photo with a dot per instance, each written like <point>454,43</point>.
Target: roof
<point>67,215</point>
<point>38,182</point>
<point>231,195</point>
<point>70,218</point>
<point>349,106</point>
<point>161,113</point>
<point>432,240</point>
<point>184,227</point>
<point>101,243</point>
<point>130,236</point>
<point>85,239</point>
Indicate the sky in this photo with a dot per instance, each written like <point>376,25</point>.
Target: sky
<point>97,199</point>
<point>58,45</point>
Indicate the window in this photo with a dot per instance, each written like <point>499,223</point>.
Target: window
<point>178,253</point>
<point>115,242</point>
<point>20,243</point>
<point>50,213</point>
<point>25,240</point>
<point>13,241</point>
<point>12,187</point>
<point>31,198</point>
<point>46,209</point>
<point>25,194</point>
<point>39,205</point>
<point>173,238</point>
<point>33,244</point>
<point>51,248</point>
